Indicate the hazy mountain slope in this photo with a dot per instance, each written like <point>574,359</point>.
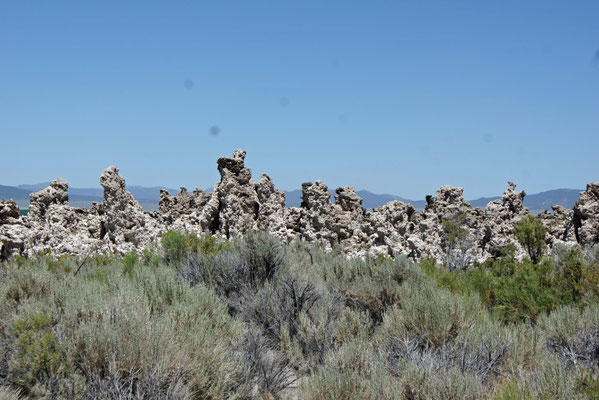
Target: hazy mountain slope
<point>148,197</point>
<point>544,200</point>
<point>369,199</point>
<point>15,193</point>
<point>483,201</point>
<point>35,187</point>
<point>293,197</point>
<point>539,201</point>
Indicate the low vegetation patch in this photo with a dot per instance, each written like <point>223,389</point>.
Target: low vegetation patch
<point>251,318</point>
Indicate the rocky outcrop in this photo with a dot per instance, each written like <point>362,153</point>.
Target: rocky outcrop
<point>238,204</point>
<point>53,225</point>
<point>559,224</point>
<point>501,216</point>
<point>123,222</point>
<point>56,193</point>
<point>448,206</point>
<point>12,231</point>
<point>586,216</point>
<point>271,212</point>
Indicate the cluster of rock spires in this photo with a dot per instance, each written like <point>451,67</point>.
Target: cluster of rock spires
<point>238,204</point>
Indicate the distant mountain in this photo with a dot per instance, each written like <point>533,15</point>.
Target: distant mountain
<point>539,201</point>
<point>483,201</point>
<point>15,193</point>
<point>148,197</point>
<point>293,197</point>
<point>373,200</point>
<point>35,187</point>
<point>369,199</point>
<point>535,202</point>
<point>83,197</point>
<point>544,200</point>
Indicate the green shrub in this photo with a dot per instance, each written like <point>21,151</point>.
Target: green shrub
<point>7,393</point>
<point>153,328</point>
<point>251,317</point>
<point>456,243</point>
<point>352,325</point>
<point>576,277</point>
<point>531,235</point>
<point>174,246</point>
<point>520,290</point>
<point>434,314</point>
<point>511,391</point>
<point>242,267</point>
<point>526,294</point>
<point>332,384</point>
<point>263,253</point>
<point>568,322</point>
<point>206,244</point>
<point>368,285</point>
<point>351,373</point>
<point>548,380</point>
<point>588,383</point>
<point>419,383</point>
<point>298,318</point>
<point>62,264</point>
<point>38,357</point>
<point>129,261</point>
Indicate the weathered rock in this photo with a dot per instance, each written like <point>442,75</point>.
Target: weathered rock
<point>430,238</point>
<point>586,216</point>
<point>501,216</point>
<point>395,225</point>
<point>271,212</point>
<point>236,193</point>
<point>12,231</point>
<point>9,212</point>
<point>118,224</point>
<point>56,193</point>
<point>122,220</point>
<point>559,224</point>
<point>317,213</point>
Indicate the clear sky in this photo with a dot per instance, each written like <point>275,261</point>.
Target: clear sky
<point>396,97</point>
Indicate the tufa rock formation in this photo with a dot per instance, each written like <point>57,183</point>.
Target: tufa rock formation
<point>238,204</point>
<point>12,233</point>
<point>586,215</point>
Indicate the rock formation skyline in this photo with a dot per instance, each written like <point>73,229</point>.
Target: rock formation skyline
<point>238,204</point>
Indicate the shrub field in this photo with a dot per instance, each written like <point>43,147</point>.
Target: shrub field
<point>252,318</point>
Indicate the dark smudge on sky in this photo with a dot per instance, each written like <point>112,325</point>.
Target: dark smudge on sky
<point>214,130</point>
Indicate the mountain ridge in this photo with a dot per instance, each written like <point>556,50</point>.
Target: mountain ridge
<point>148,197</point>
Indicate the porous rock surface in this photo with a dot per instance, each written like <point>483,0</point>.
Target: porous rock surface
<point>239,204</point>
<point>12,232</point>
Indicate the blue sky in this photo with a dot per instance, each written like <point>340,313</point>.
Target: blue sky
<point>395,97</point>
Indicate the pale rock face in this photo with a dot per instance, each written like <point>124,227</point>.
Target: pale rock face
<point>316,213</point>
<point>586,215</point>
<point>429,238</point>
<point>12,231</point>
<point>238,205</point>
<point>123,222</point>
<point>395,225</point>
<point>502,215</point>
<point>271,213</point>
<point>9,212</point>
<point>559,224</point>
<point>56,193</point>
<point>118,224</point>
<point>55,226</point>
